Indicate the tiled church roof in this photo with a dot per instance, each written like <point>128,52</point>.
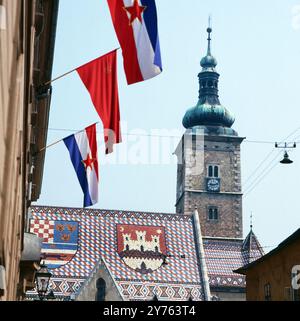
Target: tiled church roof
<point>222,256</point>
<point>100,235</point>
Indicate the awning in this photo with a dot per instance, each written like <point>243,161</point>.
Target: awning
<point>32,248</point>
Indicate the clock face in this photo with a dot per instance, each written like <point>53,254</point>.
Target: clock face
<point>213,184</point>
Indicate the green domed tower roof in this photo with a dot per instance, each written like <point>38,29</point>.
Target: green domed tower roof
<point>208,111</point>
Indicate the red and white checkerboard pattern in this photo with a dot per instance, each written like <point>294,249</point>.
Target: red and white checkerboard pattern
<point>44,229</point>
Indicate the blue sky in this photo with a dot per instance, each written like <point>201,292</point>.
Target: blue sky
<point>257,45</point>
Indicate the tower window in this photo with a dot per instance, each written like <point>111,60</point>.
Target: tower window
<point>213,213</point>
<point>213,171</point>
<point>216,171</point>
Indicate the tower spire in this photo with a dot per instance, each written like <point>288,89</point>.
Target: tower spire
<point>208,111</point>
<point>209,31</point>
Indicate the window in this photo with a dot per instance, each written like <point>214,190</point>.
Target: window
<point>216,171</point>
<point>213,214</point>
<point>213,171</point>
<point>2,18</point>
<point>268,292</point>
<point>296,295</point>
<point>101,288</point>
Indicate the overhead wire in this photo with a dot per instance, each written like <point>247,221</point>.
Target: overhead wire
<point>251,188</point>
<point>292,133</point>
<point>248,188</point>
<point>262,173</point>
<point>154,135</point>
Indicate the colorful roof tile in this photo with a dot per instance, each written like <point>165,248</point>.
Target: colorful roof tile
<point>225,255</point>
<point>135,247</point>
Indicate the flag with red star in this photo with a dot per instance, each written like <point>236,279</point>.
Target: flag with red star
<point>82,148</point>
<point>135,23</point>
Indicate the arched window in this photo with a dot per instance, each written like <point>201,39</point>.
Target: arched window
<point>142,248</point>
<point>101,289</point>
<point>216,171</point>
<point>213,171</point>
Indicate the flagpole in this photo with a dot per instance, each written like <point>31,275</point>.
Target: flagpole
<point>46,147</point>
<point>69,72</point>
<point>57,142</point>
<point>65,74</point>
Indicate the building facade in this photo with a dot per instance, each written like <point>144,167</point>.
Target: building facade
<point>27,34</point>
<point>276,275</point>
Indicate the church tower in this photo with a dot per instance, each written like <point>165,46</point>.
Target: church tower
<point>209,169</point>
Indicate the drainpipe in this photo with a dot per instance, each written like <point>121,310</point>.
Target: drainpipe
<point>203,268</point>
<point>29,198</point>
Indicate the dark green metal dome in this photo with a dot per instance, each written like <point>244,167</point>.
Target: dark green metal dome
<point>208,62</point>
<point>208,111</point>
<point>208,114</point>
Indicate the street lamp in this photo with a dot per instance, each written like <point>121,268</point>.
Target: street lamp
<point>42,278</point>
<point>286,159</point>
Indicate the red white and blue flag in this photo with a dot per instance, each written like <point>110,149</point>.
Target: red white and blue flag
<point>82,147</point>
<point>135,23</point>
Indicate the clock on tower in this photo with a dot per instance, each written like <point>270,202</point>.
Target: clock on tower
<point>213,184</point>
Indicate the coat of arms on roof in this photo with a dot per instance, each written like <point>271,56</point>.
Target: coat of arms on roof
<point>142,248</point>
<point>60,241</point>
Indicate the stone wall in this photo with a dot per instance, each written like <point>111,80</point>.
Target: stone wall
<point>223,151</point>
<point>89,290</point>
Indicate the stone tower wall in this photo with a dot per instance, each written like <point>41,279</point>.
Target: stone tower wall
<point>223,151</point>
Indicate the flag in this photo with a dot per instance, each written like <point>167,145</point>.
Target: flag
<point>82,147</point>
<point>100,78</point>
<point>135,23</point>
